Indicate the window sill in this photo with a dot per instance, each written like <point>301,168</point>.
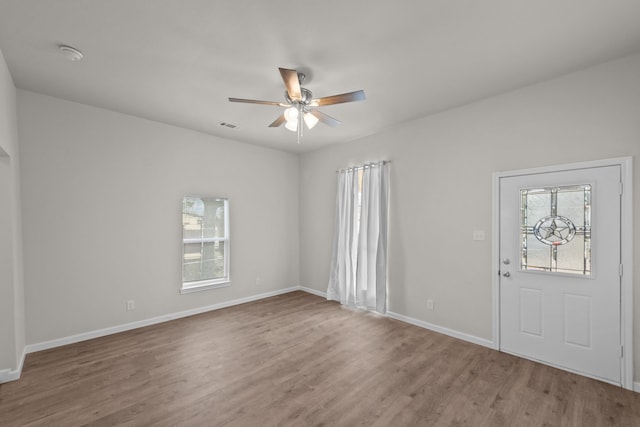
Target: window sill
<point>205,287</point>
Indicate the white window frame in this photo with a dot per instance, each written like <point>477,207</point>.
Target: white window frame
<point>202,285</point>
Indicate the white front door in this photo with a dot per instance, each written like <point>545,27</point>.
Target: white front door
<point>560,269</point>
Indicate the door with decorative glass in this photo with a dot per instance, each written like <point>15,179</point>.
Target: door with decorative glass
<point>560,269</point>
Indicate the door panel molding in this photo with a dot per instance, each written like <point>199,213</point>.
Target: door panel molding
<point>626,223</point>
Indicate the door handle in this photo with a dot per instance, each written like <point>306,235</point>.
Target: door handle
<point>506,274</point>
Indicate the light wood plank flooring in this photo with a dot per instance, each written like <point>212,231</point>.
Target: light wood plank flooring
<point>298,360</point>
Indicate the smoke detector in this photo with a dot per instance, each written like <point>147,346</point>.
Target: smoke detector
<point>71,53</point>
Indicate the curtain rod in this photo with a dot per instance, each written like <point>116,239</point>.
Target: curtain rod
<point>366,165</point>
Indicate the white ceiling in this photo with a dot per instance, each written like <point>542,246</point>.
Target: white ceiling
<point>177,61</point>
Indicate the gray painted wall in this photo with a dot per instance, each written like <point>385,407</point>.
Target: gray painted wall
<point>441,186</point>
<point>102,202</point>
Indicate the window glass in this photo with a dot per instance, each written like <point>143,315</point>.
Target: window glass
<point>205,241</point>
<point>556,229</point>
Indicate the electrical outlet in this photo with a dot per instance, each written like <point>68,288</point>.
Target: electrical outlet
<point>258,280</point>
<point>131,305</point>
<point>429,304</point>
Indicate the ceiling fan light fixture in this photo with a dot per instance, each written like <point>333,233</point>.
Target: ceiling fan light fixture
<point>310,120</point>
<point>291,114</point>
<point>292,125</point>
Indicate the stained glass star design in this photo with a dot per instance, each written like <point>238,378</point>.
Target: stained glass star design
<point>554,231</point>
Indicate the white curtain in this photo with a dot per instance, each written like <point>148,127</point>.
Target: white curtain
<point>358,275</point>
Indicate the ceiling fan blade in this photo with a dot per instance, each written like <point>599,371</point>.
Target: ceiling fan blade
<point>291,82</point>
<point>255,101</point>
<point>339,99</point>
<point>277,122</point>
<point>325,118</point>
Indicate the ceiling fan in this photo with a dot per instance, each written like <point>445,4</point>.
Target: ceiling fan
<point>299,104</point>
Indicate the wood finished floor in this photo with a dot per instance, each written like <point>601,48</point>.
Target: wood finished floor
<point>298,360</point>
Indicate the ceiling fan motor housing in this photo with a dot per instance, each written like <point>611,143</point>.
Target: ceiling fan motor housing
<point>306,97</point>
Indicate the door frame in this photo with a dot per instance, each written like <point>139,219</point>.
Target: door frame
<point>626,246</point>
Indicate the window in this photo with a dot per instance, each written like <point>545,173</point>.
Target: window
<point>556,229</point>
<point>205,243</point>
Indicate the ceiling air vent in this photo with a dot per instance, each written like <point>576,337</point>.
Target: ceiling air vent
<point>228,125</point>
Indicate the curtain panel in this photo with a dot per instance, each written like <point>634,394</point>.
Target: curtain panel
<point>358,275</point>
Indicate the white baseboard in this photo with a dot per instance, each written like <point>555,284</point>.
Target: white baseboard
<point>446,331</point>
<point>442,330</point>
<point>7,375</point>
<point>31,348</point>
<point>313,291</point>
